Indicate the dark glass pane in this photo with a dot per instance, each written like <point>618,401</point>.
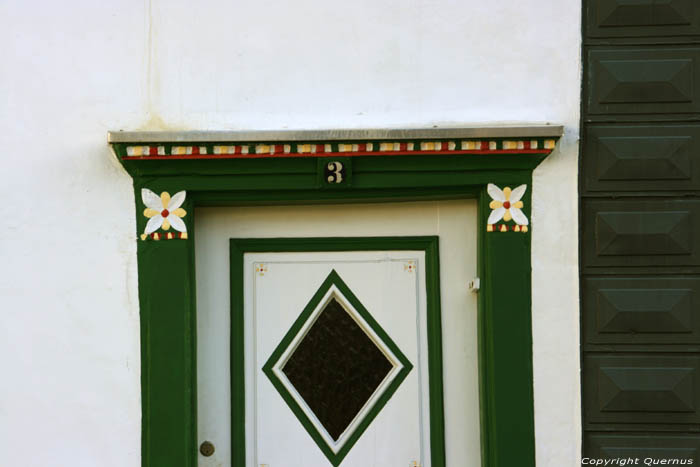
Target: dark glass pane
<point>336,368</point>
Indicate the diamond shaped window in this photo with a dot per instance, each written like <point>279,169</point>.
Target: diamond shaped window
<point>336,368</point>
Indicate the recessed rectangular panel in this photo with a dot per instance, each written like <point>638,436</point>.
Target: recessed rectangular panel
<point>336,359</point>
<point>663,157</point>
<point>636,233</point>
<point>643,81</point>
<point>641,233</point>
<point>642,446</point>
<point>641,389</point>
<point>631,310</point>
<point>642,18</point>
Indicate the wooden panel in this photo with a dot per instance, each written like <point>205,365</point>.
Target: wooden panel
<point>642,18</point>
<point>643,81</point>
<point>641,389</point>
<point>664,157</point>
<point>639,187</point>
<point>641,233</point>
<point>629,310</point>
<point>653,445</point>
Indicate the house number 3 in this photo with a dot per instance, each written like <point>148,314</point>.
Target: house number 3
<point>335,172</point>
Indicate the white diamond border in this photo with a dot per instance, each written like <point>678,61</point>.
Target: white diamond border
<point>397,366</point>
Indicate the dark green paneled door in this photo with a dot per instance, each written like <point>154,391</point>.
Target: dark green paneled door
<point>640,237</point>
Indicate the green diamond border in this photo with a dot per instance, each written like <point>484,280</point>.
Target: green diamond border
<point>334,279</point>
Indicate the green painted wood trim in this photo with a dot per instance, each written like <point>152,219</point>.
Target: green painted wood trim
<point>238,248</point>
<point>505,343</point>
<point>435,376</point>
<point>295,168</point>
<point>167,284</point>
<point>168,351</point>
<point>237,357</point>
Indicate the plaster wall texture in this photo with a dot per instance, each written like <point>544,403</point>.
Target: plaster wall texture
<point>69,342</point>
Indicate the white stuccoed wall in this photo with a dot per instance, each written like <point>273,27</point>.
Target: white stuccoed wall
<point>69,342</point>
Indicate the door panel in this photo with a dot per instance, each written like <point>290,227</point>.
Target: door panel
<point>648,310</point>
<point>642,157</point>
<point>643,233</point>
<point>641,389</point>
<point>455,224</point>
<point>622,18</point>
<point>390,286</point>
<point>624,81</point>
<point>639,228</point>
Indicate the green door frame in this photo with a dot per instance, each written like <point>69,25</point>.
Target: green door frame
<point>265,168</point>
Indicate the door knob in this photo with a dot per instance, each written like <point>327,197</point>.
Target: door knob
<point>206,448</point>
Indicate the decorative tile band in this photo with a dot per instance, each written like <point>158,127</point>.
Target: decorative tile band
<point>135,151</point>
<point>188,150</point>
<point>506,228</point>
<point>165,236</point>
<point>387,148</point>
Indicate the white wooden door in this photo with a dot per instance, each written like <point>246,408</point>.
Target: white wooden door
<point>399,434</point>
<point>361,340</point>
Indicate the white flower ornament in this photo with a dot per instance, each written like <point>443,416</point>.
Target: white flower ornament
<point>506,205</point>
<point>164,212</point>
